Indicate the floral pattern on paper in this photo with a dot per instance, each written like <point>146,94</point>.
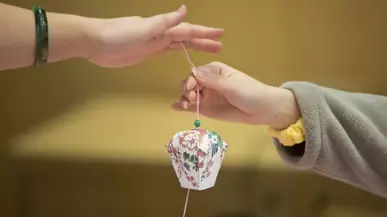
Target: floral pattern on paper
<point>193,154</point>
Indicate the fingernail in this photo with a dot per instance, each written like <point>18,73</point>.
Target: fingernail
<point>194,72</point>
<point>187,87</point>
<point>184,105</point>
<point>180,10</point>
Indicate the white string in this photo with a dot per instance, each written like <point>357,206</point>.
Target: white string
<point>192,66</point>
<point>193,69</point>
<point>186,203</point>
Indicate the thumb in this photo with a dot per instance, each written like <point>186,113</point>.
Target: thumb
<point>213,76</point>
<point>162,22</point>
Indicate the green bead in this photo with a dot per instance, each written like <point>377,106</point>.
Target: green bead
<point>197,123</point>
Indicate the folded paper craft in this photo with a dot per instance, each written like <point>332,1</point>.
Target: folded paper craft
<point>196,157</point>
<point>196,154</point>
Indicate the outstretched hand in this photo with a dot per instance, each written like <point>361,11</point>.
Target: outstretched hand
<point>125,41</point>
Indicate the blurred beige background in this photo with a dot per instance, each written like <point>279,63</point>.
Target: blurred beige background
<point>78,140</point>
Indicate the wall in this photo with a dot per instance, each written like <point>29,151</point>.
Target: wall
<point>73,115</point>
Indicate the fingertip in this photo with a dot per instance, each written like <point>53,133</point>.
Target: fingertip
<point>163,22</point>
<point>206,45</point>
<point>182,11</point>
<point>216,47</point>
<point>193,71</point>
<point>218,33</point>
<point>176,106</point>
<point>190,96</point>
<point>184,104</point>
<point>191,83</point>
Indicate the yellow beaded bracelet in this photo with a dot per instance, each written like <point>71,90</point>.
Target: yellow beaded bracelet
<point>290,136</point>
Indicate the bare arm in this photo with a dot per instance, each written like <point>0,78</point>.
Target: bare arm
<point>111,43</point>
<point>68,37</point>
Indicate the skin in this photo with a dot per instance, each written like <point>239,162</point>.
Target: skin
<point>230,95</point>
<point>111,43</point>
<point>227,94</point>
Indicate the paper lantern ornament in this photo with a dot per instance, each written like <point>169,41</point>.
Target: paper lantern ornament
<point>196,154</point>
<point>196,157</point>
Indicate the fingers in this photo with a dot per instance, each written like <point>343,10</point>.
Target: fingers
<point>186,31</point>
<point>188,95</point>
<point>163,22</point>
<point>184,105</point>
<point>189,89</point>
<point>206,45</point>
<point>215,76</point>
<point>190,84</point>
<point>179,106</point>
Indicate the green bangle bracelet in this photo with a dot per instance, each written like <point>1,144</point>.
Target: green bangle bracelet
<point>41,43</point>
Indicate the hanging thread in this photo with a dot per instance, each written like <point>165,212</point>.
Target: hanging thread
<point>197,121</point>
<point>186,203</point>
<point>193,70</point>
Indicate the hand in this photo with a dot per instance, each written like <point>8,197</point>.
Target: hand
<point>230,95</point>
<point>126,41</point>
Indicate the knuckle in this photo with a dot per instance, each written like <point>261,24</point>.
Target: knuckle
<point>164,18</point>
<point>217,67</point>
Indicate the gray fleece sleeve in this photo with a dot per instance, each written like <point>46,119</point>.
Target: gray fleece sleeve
<point>346,136</point>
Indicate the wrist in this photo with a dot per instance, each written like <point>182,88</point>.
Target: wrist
<point>283,109</point>
<point>90,29</point>
<point>70,36</point>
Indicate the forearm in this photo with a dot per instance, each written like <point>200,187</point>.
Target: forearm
<point>69,37</point>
